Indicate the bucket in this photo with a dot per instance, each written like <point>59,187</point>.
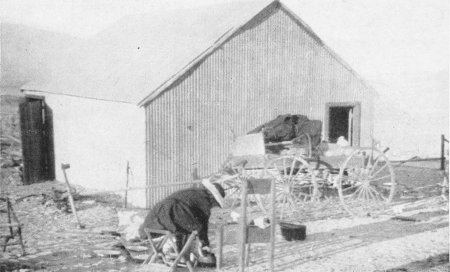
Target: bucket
<point>293,232</point>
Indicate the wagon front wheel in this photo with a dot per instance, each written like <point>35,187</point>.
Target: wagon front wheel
<point>366,182</point>
<point>295,182</point>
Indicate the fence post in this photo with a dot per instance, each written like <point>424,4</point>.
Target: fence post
<point>125,204</point>
<point>442,152</point>
<point>195,176</point>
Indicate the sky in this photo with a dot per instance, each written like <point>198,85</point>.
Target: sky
<point>400,47</point>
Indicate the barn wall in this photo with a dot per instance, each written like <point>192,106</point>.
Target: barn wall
<point>97,138</point>
<point>271,67</point>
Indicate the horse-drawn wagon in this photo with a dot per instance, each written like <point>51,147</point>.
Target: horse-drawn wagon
<point>362,179</point>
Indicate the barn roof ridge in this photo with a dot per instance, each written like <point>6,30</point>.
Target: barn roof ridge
<point>229,34</point>
<point>218,43</point>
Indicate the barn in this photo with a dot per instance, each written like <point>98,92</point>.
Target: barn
<point>169,92</point>
<point>271,64</point>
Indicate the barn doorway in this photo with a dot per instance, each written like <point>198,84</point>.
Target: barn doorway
<point>343,120</point>
<point>36,124</point>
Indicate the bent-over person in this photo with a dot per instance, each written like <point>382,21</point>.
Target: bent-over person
<point>186,211</point>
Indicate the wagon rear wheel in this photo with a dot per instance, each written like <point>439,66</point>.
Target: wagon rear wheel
<point>233,192</point>
<point>295,182</point>
<point>366,182</point>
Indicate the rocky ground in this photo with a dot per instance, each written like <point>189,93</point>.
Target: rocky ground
<point>412,236</point>
<point>416,241</point>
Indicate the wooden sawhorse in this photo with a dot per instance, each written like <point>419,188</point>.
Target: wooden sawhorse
<point>13,225</point>
<point>157,251</point>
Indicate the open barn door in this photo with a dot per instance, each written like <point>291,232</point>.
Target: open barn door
<point>343,119</point>
<point>36,122</point>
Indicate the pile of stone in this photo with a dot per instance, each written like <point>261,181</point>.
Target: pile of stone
<point>59,199</point>
<point>11,162</point>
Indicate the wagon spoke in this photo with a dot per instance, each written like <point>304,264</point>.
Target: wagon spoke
<point>360,192</point>
<point>291,202</point>
<point>292,168</point>
<point>366,194</point>
<point>375,165</point>
<point>371,194</point>
<point>380,178</point>
<point>358,186</point>
<point>277,178</point>
<point>378,171</point>
<point>279,196</point>
<point>284,166</point>
<point>377,193</point>
<point>358,189</point>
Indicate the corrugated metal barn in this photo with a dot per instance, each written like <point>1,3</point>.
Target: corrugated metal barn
<point>270,64</point>
<point>190,80</point>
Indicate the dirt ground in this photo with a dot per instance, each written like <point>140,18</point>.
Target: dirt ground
<point>335,241</point>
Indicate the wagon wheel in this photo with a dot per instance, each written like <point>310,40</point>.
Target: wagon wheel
<point>233,186</point>
<point>295,182</point>
<point>366,182</point>
<point>232,192</point>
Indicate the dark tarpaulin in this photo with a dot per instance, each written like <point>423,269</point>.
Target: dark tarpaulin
<point>280,129</point>
<point>291,126</point>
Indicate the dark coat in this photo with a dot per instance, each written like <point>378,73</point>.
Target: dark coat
<point>181,213</point>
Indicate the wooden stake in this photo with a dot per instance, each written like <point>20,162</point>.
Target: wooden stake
<point>243,226</point>
<point>72,203</point>
<point>272,225</point>
<point>219,243</point>
<point>126,185</point>
<point>442,152</point>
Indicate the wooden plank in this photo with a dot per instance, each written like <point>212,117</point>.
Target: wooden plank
<point>272,225</point>
<point>251,144</point>
<point>48,144</point>
<point>258,186</point>
<point>243,227</point>
<point>9,225</point>
<point>219,245</point>
<point>258,235</point>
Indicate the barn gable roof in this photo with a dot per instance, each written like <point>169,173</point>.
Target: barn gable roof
<point>226,36</point>
<point>141,56</point>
